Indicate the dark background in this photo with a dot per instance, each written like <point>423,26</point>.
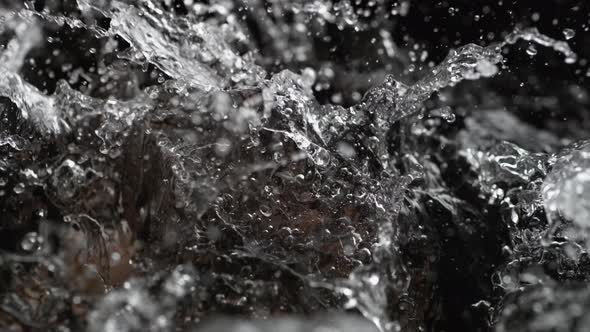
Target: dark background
<point>526,82</point>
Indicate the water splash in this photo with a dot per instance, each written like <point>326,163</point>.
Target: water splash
<point>283,204</point>
<point>567,185</point>
<point>470,62</point>
<point>30,101</point>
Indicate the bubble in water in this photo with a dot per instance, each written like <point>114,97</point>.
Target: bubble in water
<point>321,157</point>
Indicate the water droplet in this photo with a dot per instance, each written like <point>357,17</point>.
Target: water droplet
<point>531,50</point>
<point>569,33</point>
<point>265,210</point>
<point>446,113</point>
<point>31,242</point>
<point>222,147</point>
<point>570,59</point>
<point>115,258</point>
<point>42,213</point>
<point>346,150</point>
<point>19,188</point>
<point>514,217</point>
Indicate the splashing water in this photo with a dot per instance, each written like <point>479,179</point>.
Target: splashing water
<point>29,100</point>
<point>471,62</point>
<point>566,187</point>
<point>177,169</point>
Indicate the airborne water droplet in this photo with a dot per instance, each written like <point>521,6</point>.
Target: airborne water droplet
<point>569,33</point>
<point>446,113</point>
<point>346,150</point>
<point>30,242</point>
<point>514,217</point>
<point>19,188</point>
<point>265,210</point>
<point>570,59</point>
<point>531,50</point>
